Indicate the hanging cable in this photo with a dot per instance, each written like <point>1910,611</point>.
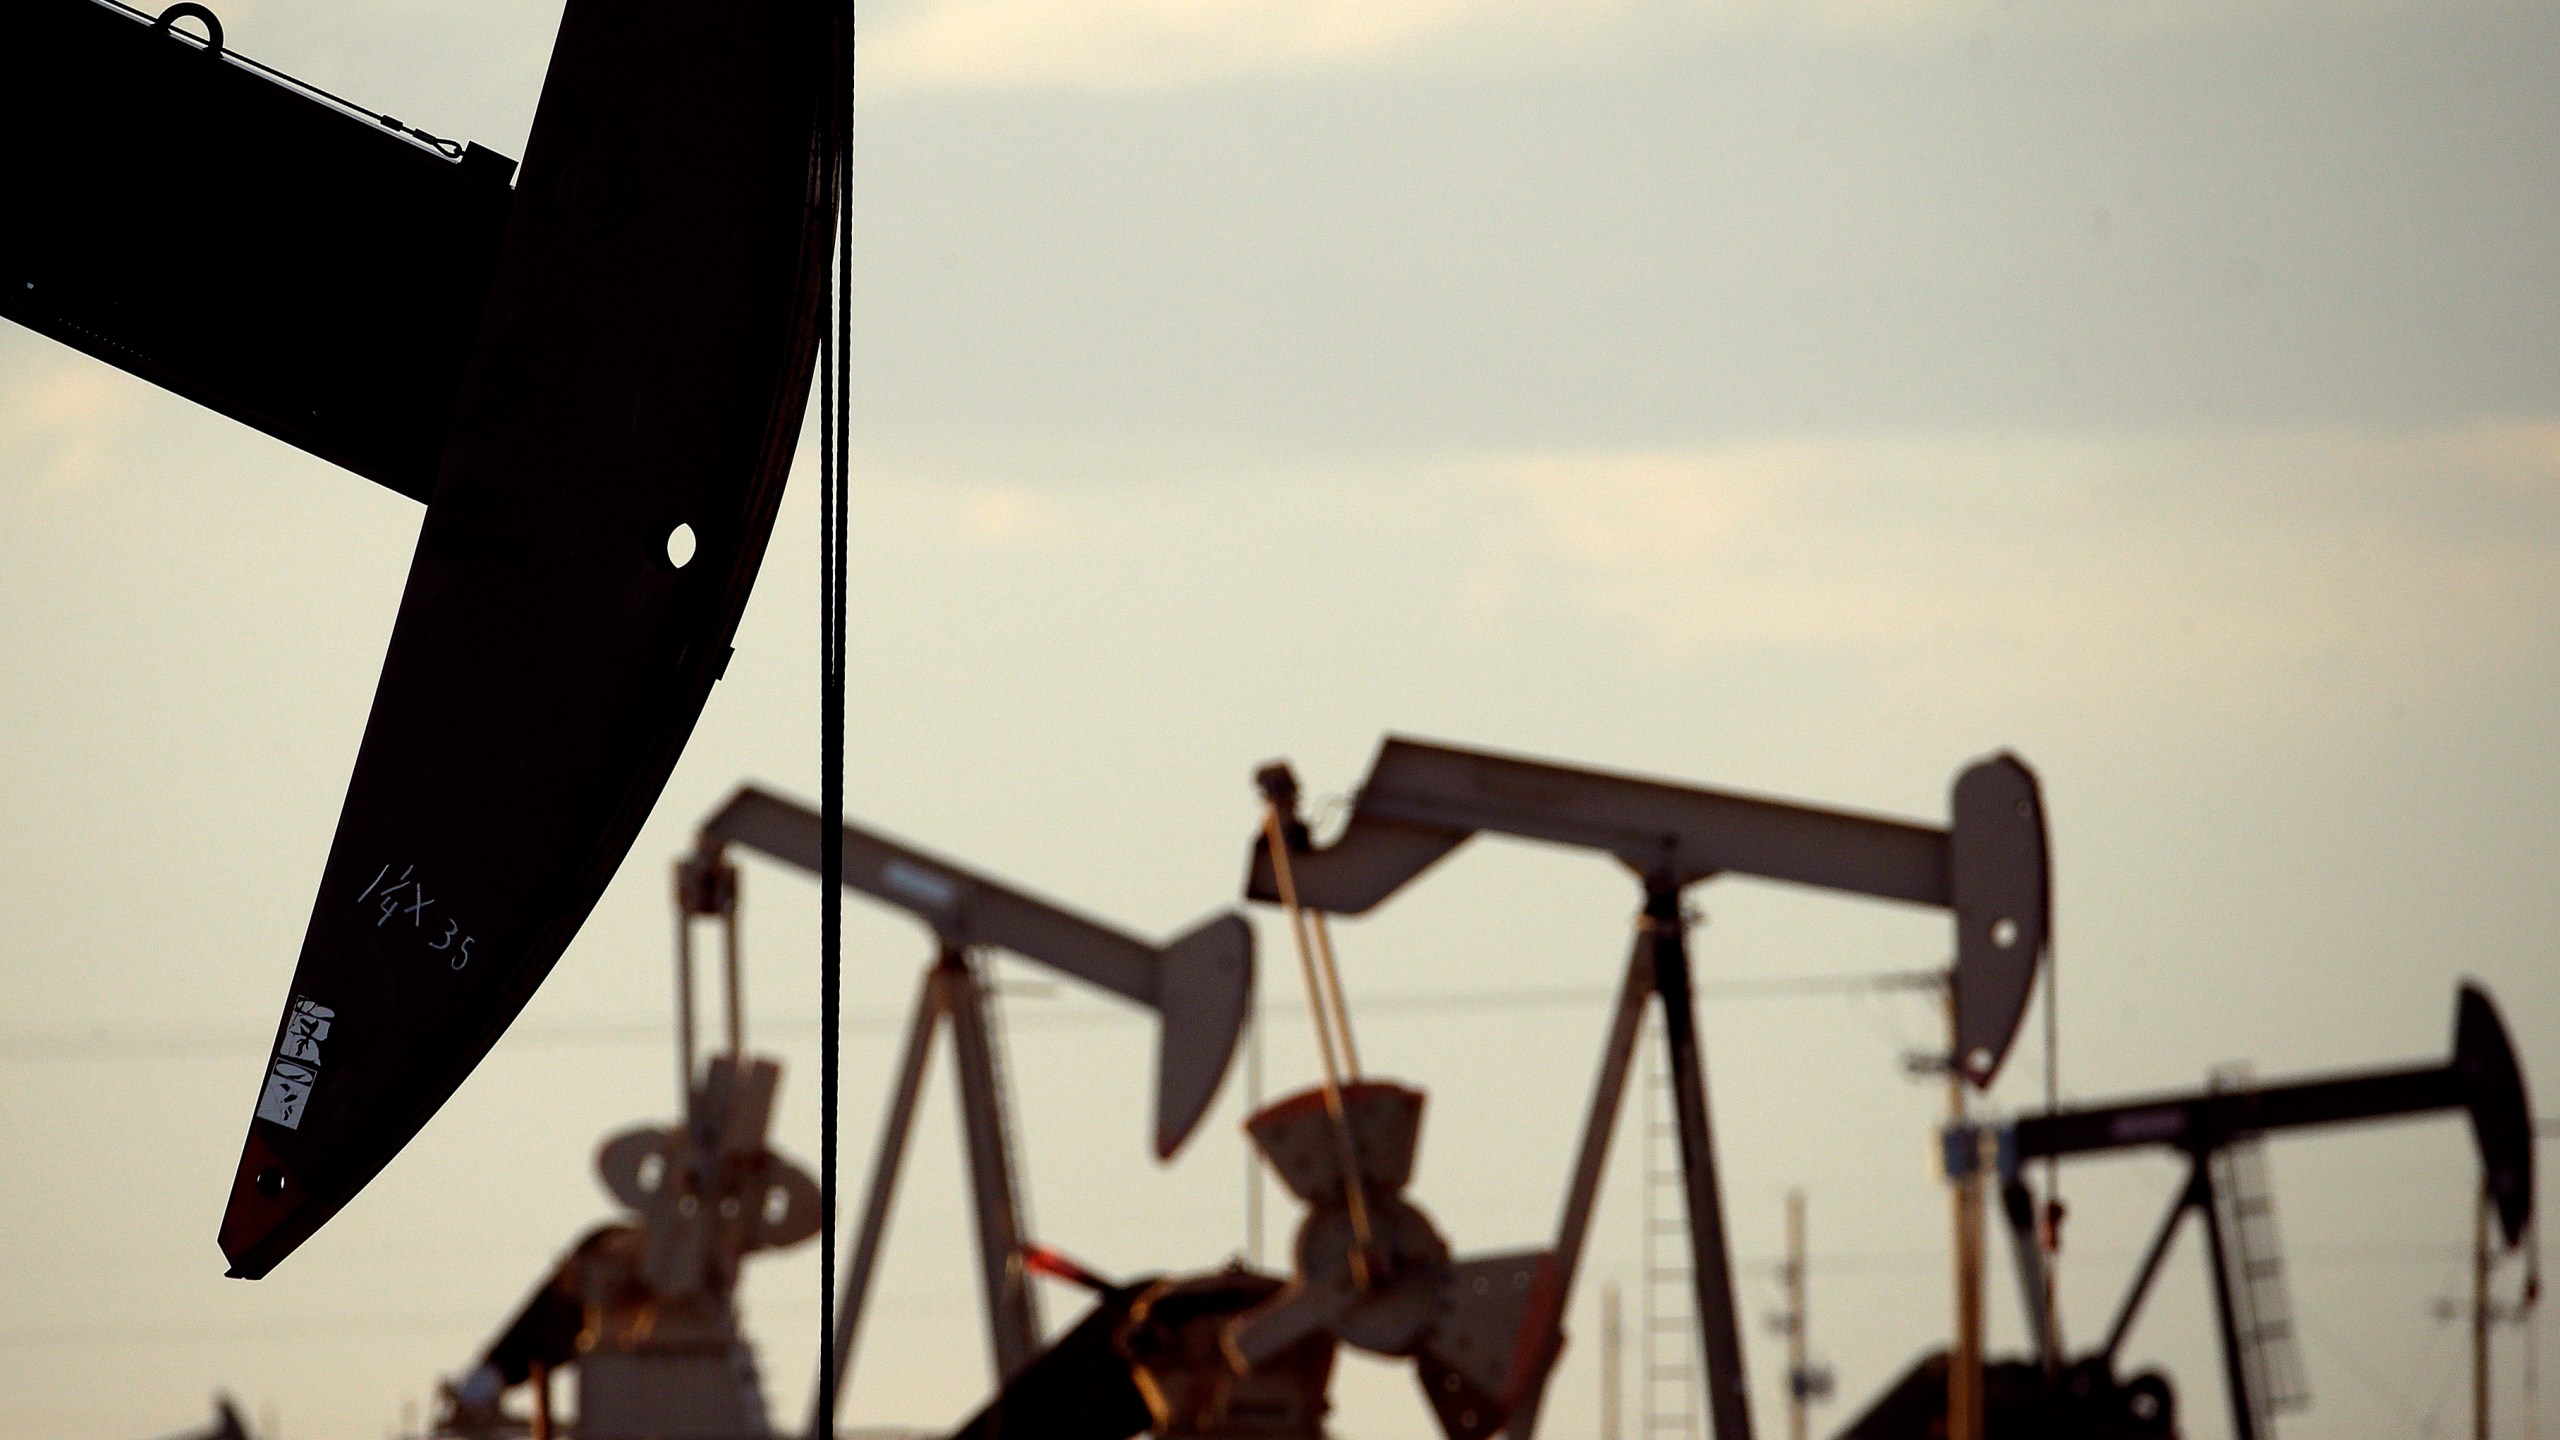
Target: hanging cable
<point>1275,833</point>
<point>1332,975</point>
<point>2049,1228</point>
<point>835,427</point>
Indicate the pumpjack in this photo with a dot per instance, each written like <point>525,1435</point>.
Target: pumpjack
<point>644,1309</point>
<point>2218,1130</point>
<point>1200,986</point>
<point>590,367</point>
<point>227,1424</point>
<point>1238,1354</point>
<point>1986,867</point>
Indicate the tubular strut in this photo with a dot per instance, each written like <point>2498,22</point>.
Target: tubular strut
<point>834,499</point>
<point>1324,1000</point>
<point>952,993</point>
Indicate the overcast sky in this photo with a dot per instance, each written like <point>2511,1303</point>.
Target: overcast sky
<point>1804,398</point>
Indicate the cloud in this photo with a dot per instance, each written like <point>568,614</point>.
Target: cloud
<point>1148,44</point>
<point>1168,44</point>
<point>967,516</point>
<point>2107,561</point>
<point>54,409</point>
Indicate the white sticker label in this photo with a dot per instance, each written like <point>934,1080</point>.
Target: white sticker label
<point>297,1064</point>
<point>2167,1122</point>
<point>917,883</point>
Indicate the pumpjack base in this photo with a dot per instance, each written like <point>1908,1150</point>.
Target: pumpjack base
<point>2088,1401</point>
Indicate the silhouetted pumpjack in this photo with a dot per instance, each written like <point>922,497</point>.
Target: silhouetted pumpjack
<point>1200,985</point>
<point>1239,1355</point>
<point>1423,800</point>
<point>595,380</point>
<point>2482,1079</point>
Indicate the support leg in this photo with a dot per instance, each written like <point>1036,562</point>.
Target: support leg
<point>1711,1265</point>
<point>2035,1282</point>
<point>2149,1270</point>
<point>2235,1369</point>
<point>884,1184</point>
<point>1606,1099</point>
<point>2018,1207</point>
<point>1013,1322</point>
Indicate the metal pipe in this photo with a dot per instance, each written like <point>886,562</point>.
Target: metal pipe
<point>684,1003</point>
<point>876,1200</point>
<point>2018,1207</point>
<point>1799,1402</point>
<point>1013,1322</point>
<point>2480,1317</point>
<point>1964,1357</point>
<point>727,879</point>
<point>1607,1097</point>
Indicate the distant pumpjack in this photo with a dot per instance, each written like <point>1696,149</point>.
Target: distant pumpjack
<point>643,1311</point>
<point>1987,866</point>
<point>1239,1355</point>
<point>1474,1328</point>
<point>595,381</point>
<point>1200,985</point>
<point>226,1425</point>
<point>1150,1357</point>
<point>2084,1398</point>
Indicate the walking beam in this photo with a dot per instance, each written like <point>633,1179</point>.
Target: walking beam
<point>1200,984</point>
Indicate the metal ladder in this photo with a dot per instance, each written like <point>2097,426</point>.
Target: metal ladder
<point>2261,1303</point>
<point>1671,1398</point>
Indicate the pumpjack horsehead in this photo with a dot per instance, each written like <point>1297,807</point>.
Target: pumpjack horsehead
<point>593,376</point>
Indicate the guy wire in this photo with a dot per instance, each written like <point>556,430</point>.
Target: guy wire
<point>1345,1151</point>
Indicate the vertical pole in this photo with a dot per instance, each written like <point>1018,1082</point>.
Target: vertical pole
<point>1711,1259</point>
<point>875,1201</point>
<point>1253,1159</point>
<point>727,880</point>
<point>1610,1341</point>
<point>1799,1402</point>
<point>541,1378</point>
<point>2532,1305</point>
<point>2018,1207</point>
<point>1607,1098</point>
<point>1013,1325</point>
<point>2480,1316</point>
<point>2235,1367</point>
<point>2048,1229</point>
<point>684,1004</point>
<point>1964,1357</point>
